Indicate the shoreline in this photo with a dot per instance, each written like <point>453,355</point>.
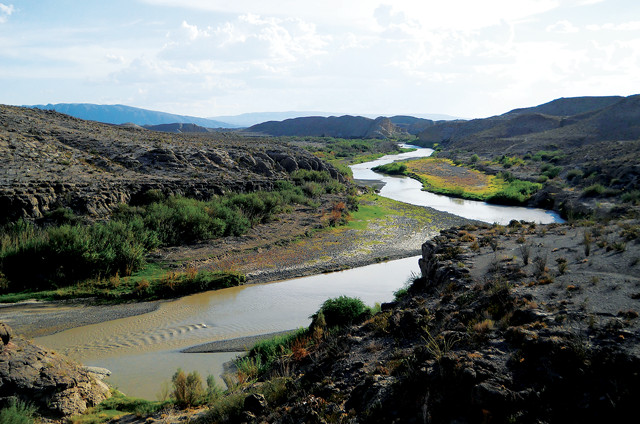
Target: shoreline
<point>32,319</point>
<point>397,234</point>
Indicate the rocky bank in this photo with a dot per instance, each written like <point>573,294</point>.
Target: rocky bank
<point>57,386</point>
<point>522,323</point>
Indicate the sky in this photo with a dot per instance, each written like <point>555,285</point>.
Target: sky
<point>465,58</point>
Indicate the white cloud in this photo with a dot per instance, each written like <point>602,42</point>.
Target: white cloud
<point>114,58</point>
<point>5,12</point>
<point>562,27</point>
<point>625,26</point>
<point>453,14</point>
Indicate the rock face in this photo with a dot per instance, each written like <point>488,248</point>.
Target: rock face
<point>51,160</point>
<point>57,386</point>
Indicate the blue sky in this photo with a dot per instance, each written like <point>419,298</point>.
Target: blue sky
<point>465,58</point>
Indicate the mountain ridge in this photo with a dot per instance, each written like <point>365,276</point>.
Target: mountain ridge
<point>121,114</point>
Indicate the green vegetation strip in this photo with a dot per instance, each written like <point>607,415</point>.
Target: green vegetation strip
<point>500,189</point>
<point>64,251</point>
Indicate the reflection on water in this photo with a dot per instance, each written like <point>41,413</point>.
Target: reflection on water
<point>148,345</point>
<point>409,190</point>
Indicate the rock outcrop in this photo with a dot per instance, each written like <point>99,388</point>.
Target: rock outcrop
<point>57,386</point>
<point>51,160</point>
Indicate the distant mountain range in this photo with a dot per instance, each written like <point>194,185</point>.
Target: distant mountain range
<point>121,114</point>
<point>249,119</point>
<point>570,122</point>
<point>343,126</point>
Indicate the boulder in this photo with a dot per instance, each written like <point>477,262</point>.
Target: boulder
<point>57,386</point>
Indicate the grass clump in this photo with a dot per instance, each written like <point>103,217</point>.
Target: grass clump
<point>17,412</point>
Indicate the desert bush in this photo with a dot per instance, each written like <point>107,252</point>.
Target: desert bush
<point>548,155</point>
<point>550,171</point>
<point>342,311</point>
<point>593,190</point>
<point>540,265</point>
<point>574,174</point>
<point>563,265</point>
<point>188,389</point>
<point>632,197</point>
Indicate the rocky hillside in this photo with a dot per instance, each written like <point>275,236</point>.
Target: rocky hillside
<point>55,385</point>
<point>564,122</point>
<point>51,160</point>
<point>341,127</point>
<point>525,323</point>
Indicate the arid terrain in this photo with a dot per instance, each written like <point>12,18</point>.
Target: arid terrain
<point>518,323</point>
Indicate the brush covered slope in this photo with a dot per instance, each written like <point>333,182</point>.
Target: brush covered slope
<point>54,161</point>
<point>522,323</point>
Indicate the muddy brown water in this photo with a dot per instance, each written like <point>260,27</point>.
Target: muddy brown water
<point>144,351</point>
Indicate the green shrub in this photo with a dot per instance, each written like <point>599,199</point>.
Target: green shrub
<point>342,311</point>
<point>394,168</point>
<point>632,197</point>
<point>550,171</point>
<point>548,155</point>
<point>18,412</point>
<point>574,174</point>
<point>593,190</point>
<point>517,192</point>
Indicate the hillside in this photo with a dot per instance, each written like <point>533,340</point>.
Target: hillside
<point>51,160</point>
<point>341,127</point>
<point>571,122</point>
<point>568,106</point>
<point>120,114</point>
<point>178,128</point>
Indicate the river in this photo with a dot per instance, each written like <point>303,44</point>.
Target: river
<point>409,190</point>
<point>144,351</point>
